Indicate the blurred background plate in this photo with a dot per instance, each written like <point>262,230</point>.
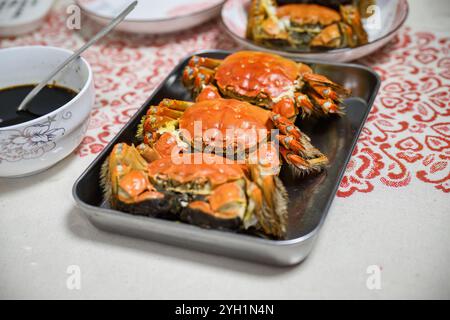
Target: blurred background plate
<point>20,17</point>
<point>388,17</point>
<point>153,17</point>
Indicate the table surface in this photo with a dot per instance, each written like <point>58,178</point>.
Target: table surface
<point>392,210</point>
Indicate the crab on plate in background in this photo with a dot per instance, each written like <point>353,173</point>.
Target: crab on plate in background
<point>306,25</point>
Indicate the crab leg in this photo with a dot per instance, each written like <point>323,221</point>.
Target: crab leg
<point>327,105</point>
<point>200,72</point>
<point>263,23</point>
<point>204,62</point>
<point>352,17</point>
<point>175,104</point>
<point>314,80</point>
<point>286,126</point>
<point>324,94</point>
<point>125,178</point>
<point>159,118</point>
<point>167,110</point>
<point>320,95</point>
<point>304,104</point>
<point>329,37</point>
<point>272,216</point>
<point>293,158</point>
<point>290,143</point>
<point>296,147</point>
<point>197,77</point>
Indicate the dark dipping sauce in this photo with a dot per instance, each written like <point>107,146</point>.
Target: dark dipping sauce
<point>48,100</point>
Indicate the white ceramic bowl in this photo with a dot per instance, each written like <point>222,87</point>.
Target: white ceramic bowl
<point>388,17</point>
<point>153,17</point>
<point>36,145</point>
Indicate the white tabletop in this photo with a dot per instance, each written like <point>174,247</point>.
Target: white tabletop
<point>404,232</point>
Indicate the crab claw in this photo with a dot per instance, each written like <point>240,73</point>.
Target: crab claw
<point>296,147</point>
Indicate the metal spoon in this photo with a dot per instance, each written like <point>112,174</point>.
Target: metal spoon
<point>98,36</point>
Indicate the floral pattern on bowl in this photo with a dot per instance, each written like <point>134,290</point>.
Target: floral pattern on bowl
<point>30,143</point>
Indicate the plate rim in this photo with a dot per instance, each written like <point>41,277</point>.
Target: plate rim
<point>128,20</point>
<point>318,53</point>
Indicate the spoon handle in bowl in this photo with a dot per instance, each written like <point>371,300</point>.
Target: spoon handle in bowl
<point>76,55</point>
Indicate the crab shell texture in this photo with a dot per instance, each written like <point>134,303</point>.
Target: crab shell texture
<point>228,123</point>
<point>259,78</point>
<point>212,193</point>
<point>263,79</point>
<point>304,14</point>
<point>234,128</point>
<point>266,80</point>
<point>224,123</point>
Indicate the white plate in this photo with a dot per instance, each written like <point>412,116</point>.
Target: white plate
<point>19,17</point>
<point>153,16</point>
<point>388,17</point>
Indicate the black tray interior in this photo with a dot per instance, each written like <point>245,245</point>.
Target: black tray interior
<point>310,197</point>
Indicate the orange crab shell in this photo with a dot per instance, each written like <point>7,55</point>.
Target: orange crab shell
<point>212,168</point>
<point>249,74</point>
<point>226,120</point>
<point>303,14</point>
<point>221,176</point>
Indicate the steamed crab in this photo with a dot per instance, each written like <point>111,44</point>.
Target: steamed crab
<point>223,176</point>
<point>286,87</point>
<point>232,128</point>
<point>212,194</point>
<point>305,25</point>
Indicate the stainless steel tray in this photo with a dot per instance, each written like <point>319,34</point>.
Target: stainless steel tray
<point>309,198</point>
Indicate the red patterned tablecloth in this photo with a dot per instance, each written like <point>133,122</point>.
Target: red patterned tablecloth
<point>405,141</point>
<point>391,214</point>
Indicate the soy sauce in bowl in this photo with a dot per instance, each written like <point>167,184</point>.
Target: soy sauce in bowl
<point>48,100</point>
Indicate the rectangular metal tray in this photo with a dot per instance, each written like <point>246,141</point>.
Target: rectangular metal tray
<point>309,198</point>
